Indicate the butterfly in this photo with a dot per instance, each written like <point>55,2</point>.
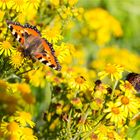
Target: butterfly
<point>134,79</point>
<point>33,44</point>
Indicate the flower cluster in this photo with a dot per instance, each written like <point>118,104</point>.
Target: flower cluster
<point>101,26</point>
<point>18,126</point>
<point>116,54</point>
<point>94,96</point>
<point>91,108</point>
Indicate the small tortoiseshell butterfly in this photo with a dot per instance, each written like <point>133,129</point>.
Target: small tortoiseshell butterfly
<point>134,79</point>
<point>33,44</point>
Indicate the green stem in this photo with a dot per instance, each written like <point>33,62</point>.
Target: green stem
<point>69,125</point>
<point>48,95</point>
<point>84,119</point>
<point>97,124</point>
<point>114,87</point>
<point>24,72</point>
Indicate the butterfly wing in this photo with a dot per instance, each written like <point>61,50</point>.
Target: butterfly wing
<point>35,46</point>
<point>41,50</point>
<point>31,30</point>
<point>19,30</point>
<point>49,60</point>
<point>134,79</point>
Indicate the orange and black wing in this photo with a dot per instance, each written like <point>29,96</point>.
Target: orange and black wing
<point>47,56</point>
<point>19,30</point>
<point>38,47</point>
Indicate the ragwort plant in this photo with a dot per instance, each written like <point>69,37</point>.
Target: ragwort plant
<point>89,98</point>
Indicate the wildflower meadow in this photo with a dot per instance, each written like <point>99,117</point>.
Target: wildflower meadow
<point>69,70</point>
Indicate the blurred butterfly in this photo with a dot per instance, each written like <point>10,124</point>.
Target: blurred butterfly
<point>134,79</point>
<point>33,44</point>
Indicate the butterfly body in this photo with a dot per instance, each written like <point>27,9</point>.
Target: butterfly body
<point>33,44</point>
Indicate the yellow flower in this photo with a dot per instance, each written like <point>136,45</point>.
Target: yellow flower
<point>103,36</point>
<point>129,104</point>
<point>52,33</point>
<point>24,88</point>
<point>2,13</point>
<point>101,87</point>
<point>59,108</point>
<point>75,12</point>
<point>7,98</point>
<point>13,87</point>
<point>79,82</point>
<point>125,86</point>
<point>97,103</point>
<point>114,55</point>
<point>33,3</point>
<point>65,12</point>
<point>25,16</point>
<point>72,2</point>
<point>100,27</point>
<point>98,64</point>
<point>85,125</point>
<point>79,57</point>
<point>80,14</point>
<point>62,53</point>
<point>116,29</point>
<point>10,128</point>
<point>101,131</point>
<point>5,4</point>
<point>107,133</point>
<point>19,5</point>
<point>37,77</point>
<point>100,91</point>
<point>29,98</point>
<point>27,134</point>
<point>16,59</point>
<point>3,32</point>
<point>6,48</point>
<point>55,2</point>
<point>114,71</point>
<point>26,93</point>
<point>54,124</point>
<point>13,137</point>
<point>76,102</point>
<point>115,114</point>
<point>3,86</point>
<point>24,118</point>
